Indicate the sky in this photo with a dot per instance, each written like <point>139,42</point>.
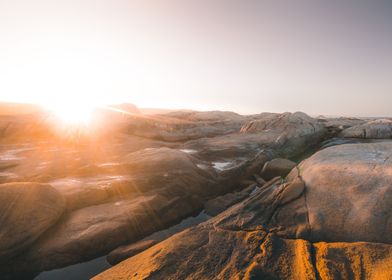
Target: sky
<point>331,57</point>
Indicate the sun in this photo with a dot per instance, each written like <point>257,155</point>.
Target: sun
<point>71,113</point>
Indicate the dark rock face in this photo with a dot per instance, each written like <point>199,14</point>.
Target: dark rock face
<point>341,194</point>
<point>27,210</point>
<point>277,167</point>
<point>378,129</point>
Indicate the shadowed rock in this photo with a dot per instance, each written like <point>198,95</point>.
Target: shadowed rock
<point>27,210</point>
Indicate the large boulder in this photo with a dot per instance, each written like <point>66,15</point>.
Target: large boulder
<point>377,129</point>
<point>27,210</point>
<point>343,194</point>
<point>349,192</point>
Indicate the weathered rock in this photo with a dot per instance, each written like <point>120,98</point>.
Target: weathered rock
<point>124,252</point>
<point>341,194</point>
<point>94,231</point>
<point>210,251</point>
<point>285,135</point>
<point>277,167</point>
<point>349,192</point>
<point>378,129</point>
<point>27,210</point>
<point>336,125</point>
<point>346,197</point>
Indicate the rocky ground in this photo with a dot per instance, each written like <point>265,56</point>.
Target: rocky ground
<point>289,196</point>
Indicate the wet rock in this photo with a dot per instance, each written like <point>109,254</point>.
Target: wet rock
<point>277,167</point>
<point>377,129</point>
<point>27,210</point>
<point>124,252</point>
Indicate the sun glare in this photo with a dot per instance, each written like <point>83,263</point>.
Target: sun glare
<point>71,113</point>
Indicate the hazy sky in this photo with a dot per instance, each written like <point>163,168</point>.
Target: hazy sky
<point>321,57</point>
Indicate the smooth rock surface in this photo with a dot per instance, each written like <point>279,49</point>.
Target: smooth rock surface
<point>349,192</point>
<point>27,210</point>
<point>94,231</point>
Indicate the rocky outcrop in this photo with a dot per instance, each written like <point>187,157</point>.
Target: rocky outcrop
<point>290,229</point>
<point>286,135</point>
<point>125,185</point>
<point>27,210</point>
<point>377,129</point>
<point>223,254</point>
<point>210,251</point>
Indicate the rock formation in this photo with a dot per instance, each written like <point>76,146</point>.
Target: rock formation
<point>294,229</point>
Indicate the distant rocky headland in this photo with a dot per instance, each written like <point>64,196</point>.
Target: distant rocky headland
<point>277,195</point>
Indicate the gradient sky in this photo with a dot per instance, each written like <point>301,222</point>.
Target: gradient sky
<point>330,57</point>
